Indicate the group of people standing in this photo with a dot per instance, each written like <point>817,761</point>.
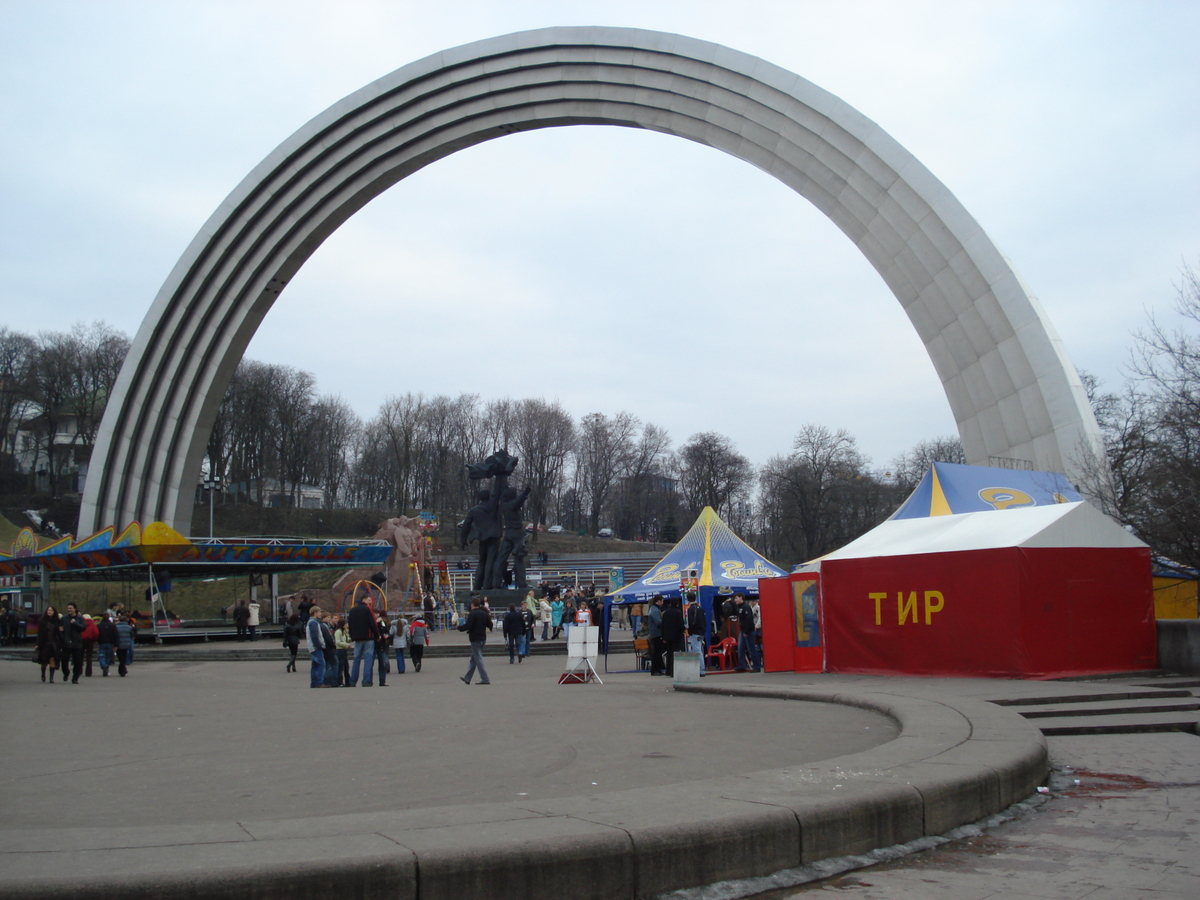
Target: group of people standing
<point>671,628</point>
<point>362,640</point>
<point>68,641</point>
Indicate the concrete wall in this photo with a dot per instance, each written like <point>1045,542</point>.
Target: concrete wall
<point>1179,645</point>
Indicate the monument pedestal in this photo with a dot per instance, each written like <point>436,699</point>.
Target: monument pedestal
<point>498,600</point>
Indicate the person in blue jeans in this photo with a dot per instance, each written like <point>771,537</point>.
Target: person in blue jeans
<point>478,623</point>
<point>316,648</point>
<point>364,631</point>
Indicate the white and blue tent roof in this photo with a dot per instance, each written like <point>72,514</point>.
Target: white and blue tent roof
<point>726,564</point>
<point>950,489</point>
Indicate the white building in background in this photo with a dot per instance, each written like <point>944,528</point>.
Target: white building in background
<point>34,444</point>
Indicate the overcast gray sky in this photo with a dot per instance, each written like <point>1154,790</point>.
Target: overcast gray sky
<point>618,269</point>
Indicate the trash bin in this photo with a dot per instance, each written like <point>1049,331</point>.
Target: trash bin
<point>687,668</point>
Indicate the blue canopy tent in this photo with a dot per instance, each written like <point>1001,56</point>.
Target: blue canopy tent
<point>723,562</point>
<point>949,489</point>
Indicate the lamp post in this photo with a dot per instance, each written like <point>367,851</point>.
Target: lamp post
<point>212,485</point>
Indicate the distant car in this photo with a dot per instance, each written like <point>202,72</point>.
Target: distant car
<point>556,529</point>
<point>604,532</point>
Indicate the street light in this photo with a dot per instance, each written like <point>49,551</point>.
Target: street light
<point>212,485</point>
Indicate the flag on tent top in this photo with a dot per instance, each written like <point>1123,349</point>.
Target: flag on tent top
<point>710,547</point>
<point>949,489</point>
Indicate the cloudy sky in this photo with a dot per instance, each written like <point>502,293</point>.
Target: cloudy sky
<point>613,269</point>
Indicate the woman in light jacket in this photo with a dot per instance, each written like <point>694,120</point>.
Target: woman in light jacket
<point>544,615</point>
<point>341,640</point>
<point>399,641</point>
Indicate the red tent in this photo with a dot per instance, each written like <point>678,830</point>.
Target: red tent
<point>1040,592</point>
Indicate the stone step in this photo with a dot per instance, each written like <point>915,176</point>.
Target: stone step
<point>1111,707</point>
<point>273,652</point>
<point>1140,723</point>
<point>1175,681</point>
<point>1133,693</point>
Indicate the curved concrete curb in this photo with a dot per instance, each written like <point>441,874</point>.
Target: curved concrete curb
<point>956,760</point>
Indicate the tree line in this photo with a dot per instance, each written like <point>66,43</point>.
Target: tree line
<point>53,390</point>
<point>275,433</point>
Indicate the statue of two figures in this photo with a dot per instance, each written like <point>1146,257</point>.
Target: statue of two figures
<point>407,559</point>
<point>496,524</point>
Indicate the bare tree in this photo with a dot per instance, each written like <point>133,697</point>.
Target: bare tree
<point>820,496</point>
<point>910,467</point>
<point>400,419</point>
<point>17,354</point>
<point>646,496</point>
<point>542,435</point>
<point>1166,363</point>
<point>712,473</point>
<point>604,454</point>
<point>333,429</point>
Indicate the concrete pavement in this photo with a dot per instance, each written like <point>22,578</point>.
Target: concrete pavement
<point>1122,823</point>
<point>195,778</point>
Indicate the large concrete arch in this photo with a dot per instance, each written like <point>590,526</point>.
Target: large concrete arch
<point>1011,387</point>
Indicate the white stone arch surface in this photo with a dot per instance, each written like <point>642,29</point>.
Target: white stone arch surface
<point>1011,387</point>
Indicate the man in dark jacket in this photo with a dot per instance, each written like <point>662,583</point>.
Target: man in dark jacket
<point>747,647</point>
<point>513,629</point>
<point>106,642</point>
<point>72,626</point>
<point>364,632</point>
<point>672,633</point>
<point>654,633</point>
<point>477,624</point>
<point>241,620</point>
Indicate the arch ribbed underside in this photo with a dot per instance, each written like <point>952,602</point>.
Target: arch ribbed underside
<point>1010,385</point>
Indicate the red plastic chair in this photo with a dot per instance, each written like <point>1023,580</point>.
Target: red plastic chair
<point>722,654</point>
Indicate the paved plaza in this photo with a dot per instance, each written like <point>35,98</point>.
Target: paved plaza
<point>239,773</point>
<point>1123,823</point>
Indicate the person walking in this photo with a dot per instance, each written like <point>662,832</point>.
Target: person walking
<point>106,643</point>
<point>513,630</point>
<point>126,635</point>
<point>316,648</point>
<point>399,634</point>
<point>48,643</point>
<point>418,639</point>
<point>292,632</point>
<point>91,633</point>
<point>477,624</point>
<point>556,617</point>
<point>70,629</point>
<point>364,631</point>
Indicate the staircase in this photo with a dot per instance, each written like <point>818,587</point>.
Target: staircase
<point>1131,704</point>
